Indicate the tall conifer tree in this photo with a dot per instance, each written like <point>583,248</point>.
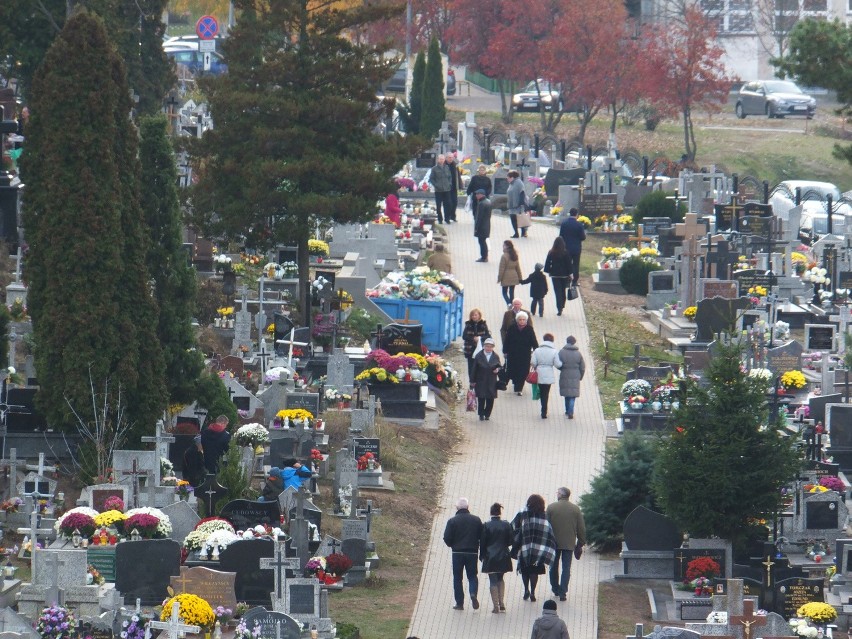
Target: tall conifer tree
<point>434,105</point>
<point>415,98</point>
<point>89,296</point>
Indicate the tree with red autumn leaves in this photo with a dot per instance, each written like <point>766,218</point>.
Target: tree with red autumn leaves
<point>685,71</point>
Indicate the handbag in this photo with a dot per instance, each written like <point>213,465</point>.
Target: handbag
<point>502,378</point>
<point>572,293</point>
<point>532,377</point>
<point>523,220</point>
<point>471,401</point>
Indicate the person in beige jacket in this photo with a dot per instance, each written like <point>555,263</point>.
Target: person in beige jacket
<point>569,528</point>
<point>509,272</point>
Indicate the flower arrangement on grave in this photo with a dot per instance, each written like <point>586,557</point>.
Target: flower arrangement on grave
<point>664,393</point>
<point>392,363</point>
<point>702,567</point>
<point>288,416</point>
<point>316,457</point>
<point>634,387</point>
<point>223,615</point>
<point>93,576</point>
<point>368,461</point>
<point>11,505</point>
<point>802,629</point>
<point>800,262</point>
<point>334,395</point>
<point>585,221</point>
<point>637,402</point>
<point>193,610</point>
<point>815,488</point>
<point>690,312</point>
<point>337,564</point>
<point>167,469</point>
<point>832,483</point>
<point>376,375</point>
<point>440,372</point>
<point>17,311</point>
<point>253,435</point>
<point>816,275</point>
<point>315,566</point>
<point>222,262</point>
<point>184,489</point>
<point>81,519</point>
<point>701,586</point>
<point>242,631</point>
<point>406,183</point>
<point>56,622</point>
<point>318,247</point>
<point>557,209</point>
<point>262,530</point>
<point>110,519</point>
<point>27,548</point>
<point>158,529</point>
<point>225,311</point>
<point>217,541</point>
<point>194,541</point>
<point>212,524</point>
<point>758,291</point>
<point>793,380</point>
<point>742,263</point>
<point>344,299</point>
<point>817,612</point>
<point>625,220</point>
<point>133,628</point>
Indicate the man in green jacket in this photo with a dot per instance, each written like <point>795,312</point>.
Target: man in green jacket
<point>569,529</point>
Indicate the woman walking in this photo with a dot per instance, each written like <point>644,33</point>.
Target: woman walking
<point>509,272</point>
<point>515,198</point>
<point>518,346</point>
<point>538,545</point>
<point>475,329</point>
<point>478,181</point>
<point>544,359</point>
<point>558,266</point>
<point>486,365</point>
<point>494,549</point>
<point>572,371</point>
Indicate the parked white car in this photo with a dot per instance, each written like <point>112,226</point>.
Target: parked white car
<point>814,220</point>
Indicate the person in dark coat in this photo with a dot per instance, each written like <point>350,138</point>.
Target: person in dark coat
<point>558,265</point>
<point>572,372</point>
<point>538,289</point>
<point>455,176</point>
<point>477,182</point>
<point>482,223</point>
<point>193,463</point>
<point>214,440</point>
<point>494,549</point>
<point>462,534</point>
<point>486,365</point>
<point>574,234</point>
<point>549,625</point>
<point>475,329</point>
<point>538,545</point>
<point>518,347</point>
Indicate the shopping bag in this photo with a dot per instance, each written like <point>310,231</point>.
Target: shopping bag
<point>572,293</point>
<point>536,392</point>
<point>471,401</point>
<point>532,377</point>
<point>468,204</point>
<point>523,220</point>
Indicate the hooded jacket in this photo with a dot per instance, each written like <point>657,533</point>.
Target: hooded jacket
<point>549,626</point>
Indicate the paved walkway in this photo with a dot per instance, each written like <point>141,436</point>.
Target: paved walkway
<point>514,455</point>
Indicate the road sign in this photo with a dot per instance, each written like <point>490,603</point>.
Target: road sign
<point>206,45</point>
<point>207,58</point>
<point>207,27</point>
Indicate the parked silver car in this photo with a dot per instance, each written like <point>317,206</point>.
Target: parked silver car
<point>774,99</point>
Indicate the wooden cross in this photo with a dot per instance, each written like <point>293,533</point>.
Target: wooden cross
<point>368,513</point>
<point>748,619</point>
<point>134,473</point>
<point>279,563</point>
<point>636,358</point>
<point>768,563</point>
<point>609,171</point>
<point>690,227</point>
<point>640,236</point>
<point>173,626</point>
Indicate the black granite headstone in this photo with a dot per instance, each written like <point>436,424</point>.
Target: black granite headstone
<point>718,315</point>
<point>787,357</point>
<point>356,550</point>
<point>554,178</point>
<point>652,225</point>
<point>682,557</point>
<point>303,599</point>
<point>816,405</point>
<point>268,621</point>
<point>645,529</point>
<point>364,445</point>
<point>402,338</point>
<point>653,374</point>
<point>820,515</point>
<point>791,594</point>
<point>749,278</point>
<point>308,401</point>
<point>245,514</point>
<point>143,569</point>
<point>819,337</point>
<point>252,584</point>
<point>839,424</point>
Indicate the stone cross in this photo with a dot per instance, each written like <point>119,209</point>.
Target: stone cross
<point>636,358</point>
<point>54,594</point>
<point>369,512</point>
<point>134,473</point>
<point>721,257</point>
<point>279,563</point>
<point>34,531</point>
<point>161,441</point>
<point>690,257</point>
<point>12,463</point>
<point>175,628</point>
<point>748,619</point>
<point>41,468</point>
<point>263,355</point>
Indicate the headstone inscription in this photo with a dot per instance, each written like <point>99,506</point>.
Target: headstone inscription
<point>309,401</point>
<point>401,338</point>
<point>683,556</point>
<point>144,569</point>
<point>819,337</point>
<point>787,357</point>
<point>271,624</point>
<point>791,594</point>
<point>245,514</point>
<point>364,445</point>
<point>214,586</point>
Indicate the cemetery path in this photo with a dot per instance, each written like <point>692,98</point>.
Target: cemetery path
<point>514,455</point>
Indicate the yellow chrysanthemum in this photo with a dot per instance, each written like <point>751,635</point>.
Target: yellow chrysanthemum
<point>818,612</point>
<point>193,610</point>
<point>294,413</point>
<point>109,518</point>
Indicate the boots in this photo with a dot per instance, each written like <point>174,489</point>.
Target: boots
<point>501,589</point>
<point>495,598</point>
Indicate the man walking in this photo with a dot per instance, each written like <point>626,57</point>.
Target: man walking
<point>549,625</point>
<point>441,180</point>
<point>569,529</point>
<point>574,233</point>
<point>482,223</point>
<point>462,534</point>
<point>455,184</point>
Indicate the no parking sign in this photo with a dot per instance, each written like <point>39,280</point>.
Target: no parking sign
<point>207,27</point>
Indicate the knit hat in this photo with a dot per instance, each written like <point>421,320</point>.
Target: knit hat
<point>539,266</point>
<point>478,191</point>
<point>550,605</point>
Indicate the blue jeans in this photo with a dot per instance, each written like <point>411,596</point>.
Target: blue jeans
<point>569,405</point>
<point>464,561</point>
<point>557,584</point>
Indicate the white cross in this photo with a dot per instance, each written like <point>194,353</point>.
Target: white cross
<point>175,628</point>
<point>41,467</point>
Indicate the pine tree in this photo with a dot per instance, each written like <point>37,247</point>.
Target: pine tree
<point>89,299</point>
<point>434,105</point>
<point>415,98</point>
<point>624,484</point>
<point>174,278</point>
<point>723,464</point>
<point>294,142</point>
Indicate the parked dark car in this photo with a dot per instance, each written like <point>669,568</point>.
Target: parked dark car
<point>397,82</point>
<point>774,99</point>
<point>194,61</point>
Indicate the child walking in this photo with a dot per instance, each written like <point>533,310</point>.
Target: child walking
<point>538,288</point>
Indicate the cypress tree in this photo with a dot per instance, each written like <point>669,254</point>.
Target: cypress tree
<point>92,311</point>
<point>415,98</point>
<point>723,463</point>
<point>174,278</point>
<point>434,106</point>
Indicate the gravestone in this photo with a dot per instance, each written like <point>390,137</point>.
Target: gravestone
<point>360,421</point>
<point>96,495</point>
<point>183,517</point>
<point>653,374</point>
<point>787,357</point>
<point>35,483</point>
<point>645,529</point>
<point>214,586</point>
<point>652,225</point>
<point>309,401</point>
<point>718,550</point>
<point>819,337</point>
<point>71,567</point>
<point>364,445</point>
<point>749,278</point>
<point>245,514</point>
<point>309,512</point>
<point>822,514</point>
<point>663,288</point>
<point>401,338</point>
<point>353,528</point>
<point>341,372</point>
<point>242,398</point>
<point>303,600</point>
<point>287,499</point>
<point>13,622</point>
<point>727,289</point>
<point>144,569</point>
<point>790,594</point>
<point>252,584</point>
<point>718,315</point>
<point>356,550</point>
<point>816,405</point>
<point>210,492</point>
<point>345,478</point>
<point>272,624</point>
